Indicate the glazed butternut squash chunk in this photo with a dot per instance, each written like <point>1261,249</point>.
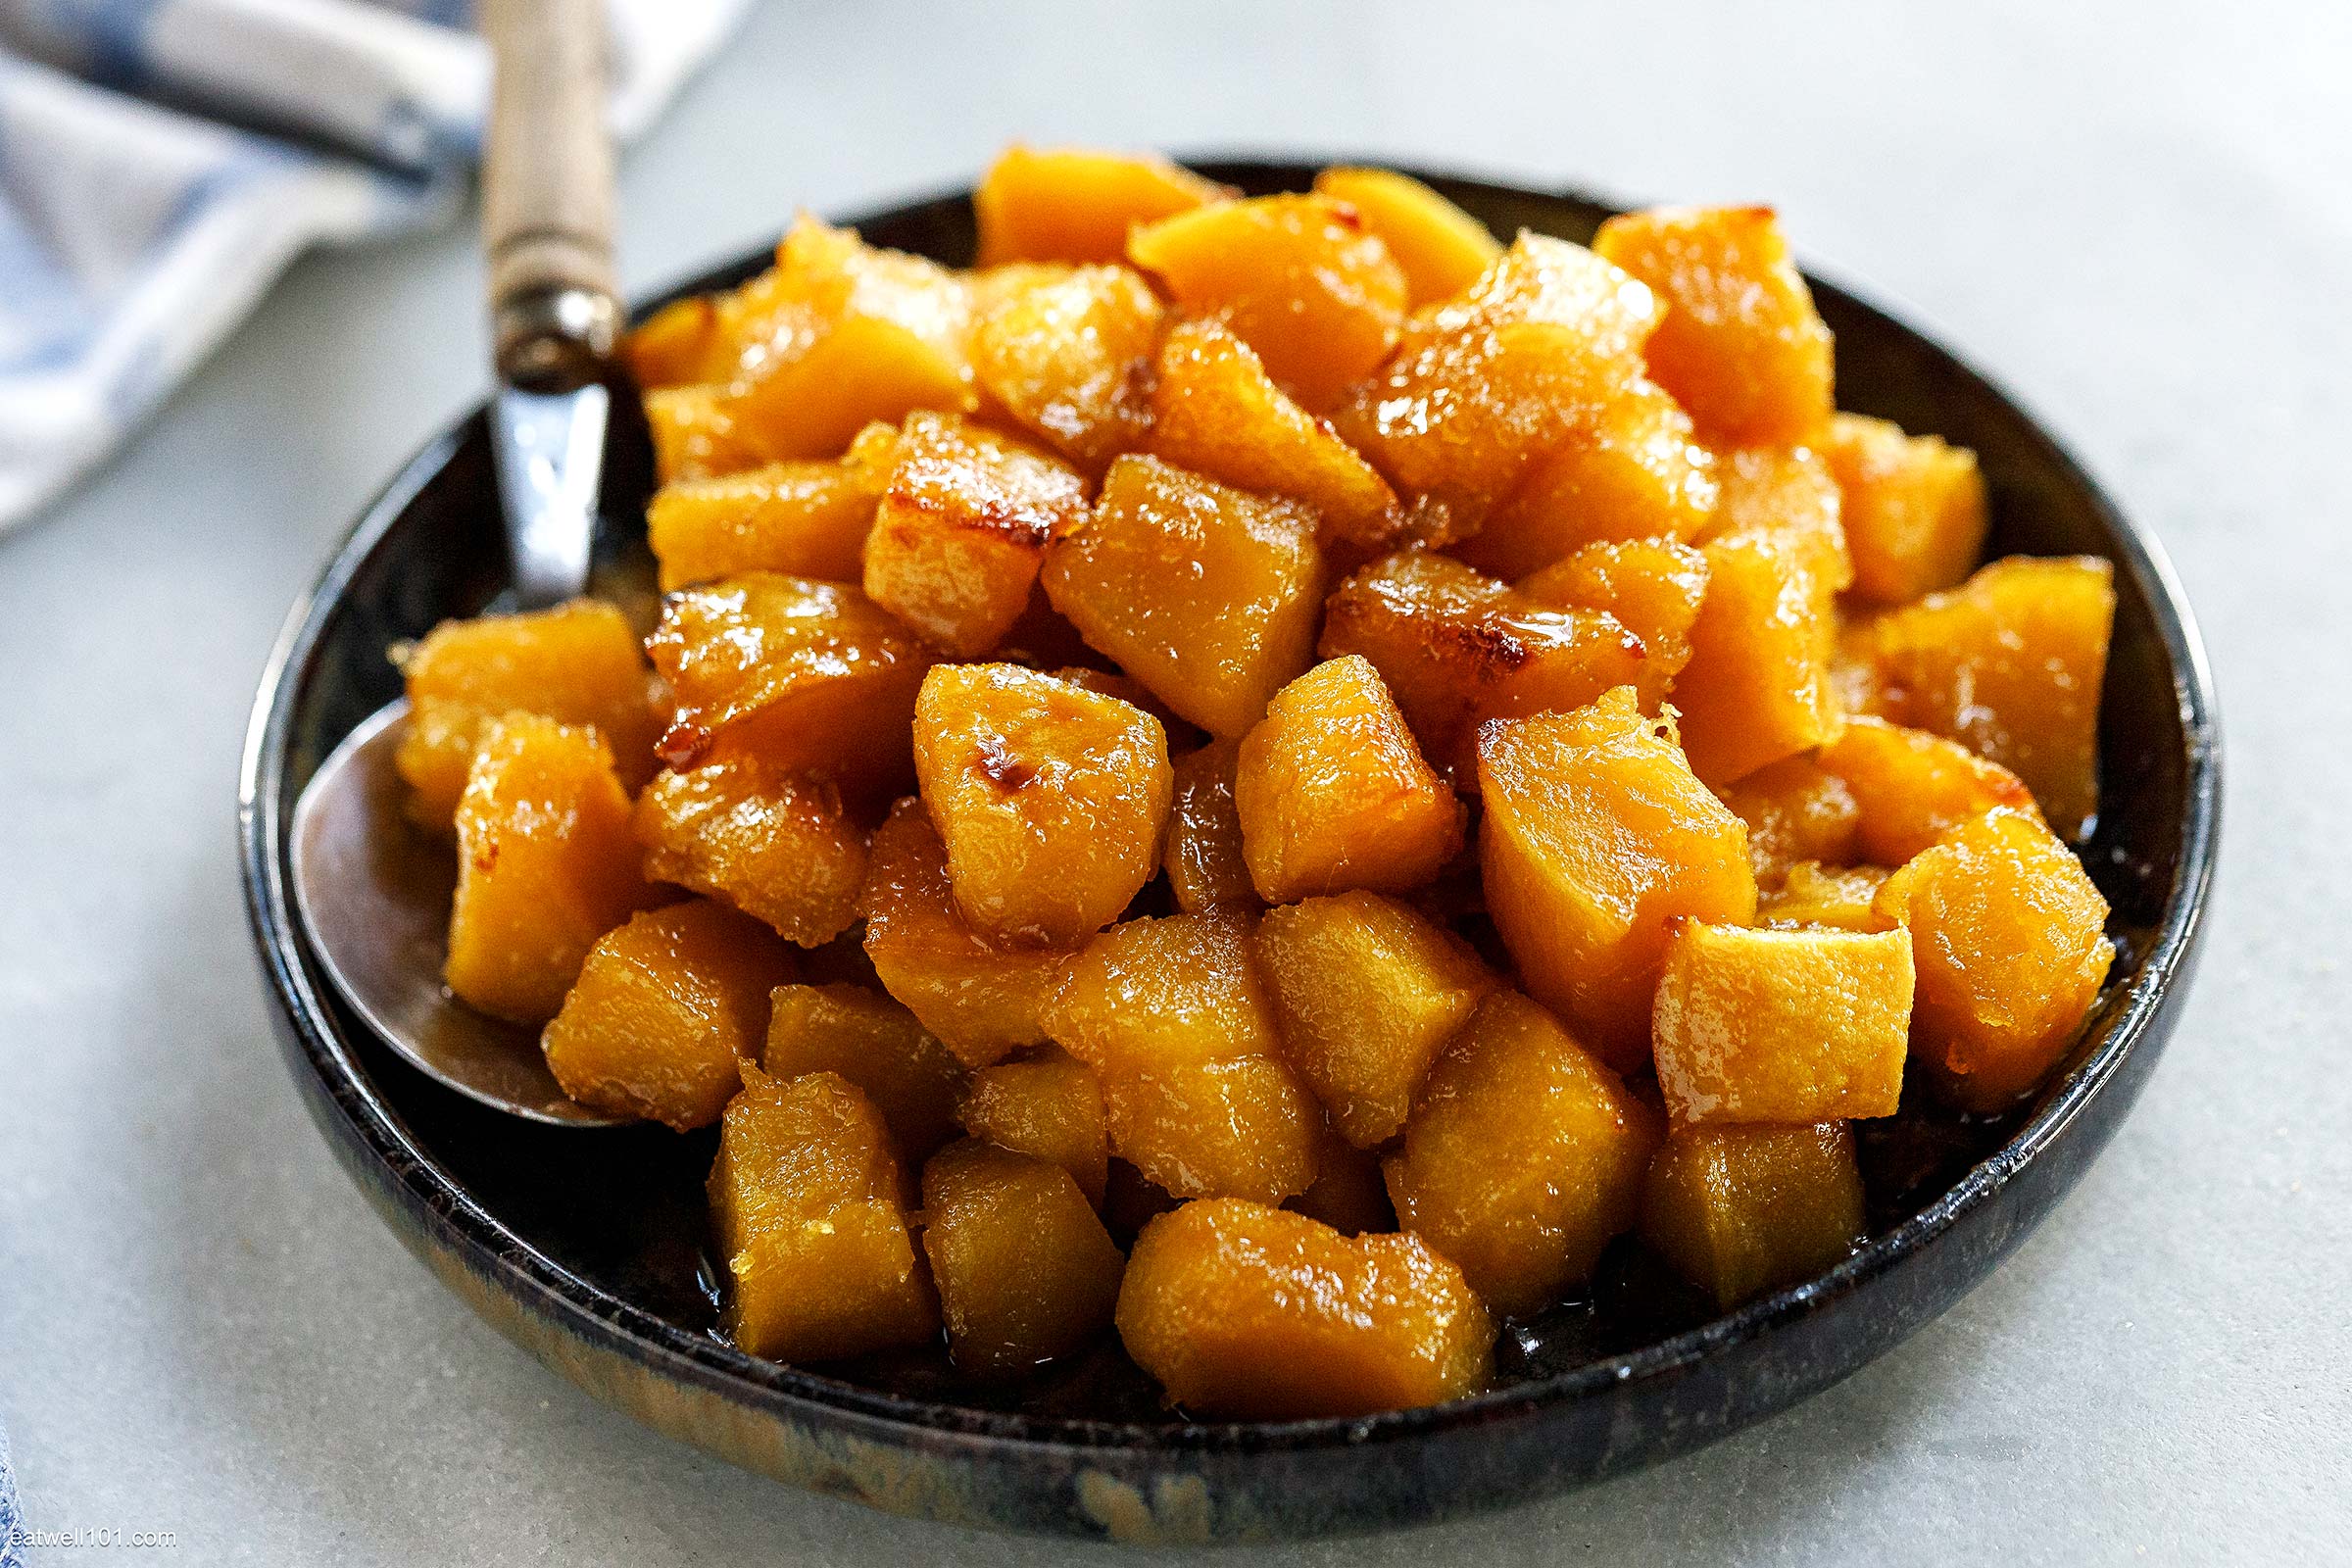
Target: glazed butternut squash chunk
<point>1253,1313</point>
<point>981,999</point>
<point>810,677</point>
<point>1910,789</point>
<point>696,435</point>
<point>1205,594</point>
<point>578,663</point>
<point>1758,685</point>
<point>1524,1156</point>
<point>1215,411</point>
<point>806,520</point>
<point>663,1012</point>
<point>545,866</point>
<point>1332,794</point>
<point>1076,204</point>
<point>1782,1026</point>
<point>807,1204</point>
<point>1204,859</point>
<point>1171,1016</point>
<point>1046,1105</point>
<point>959,533</point>
<point>1296,277</point>
<point>1653,587</point>
<point>1369,991</point>
<point>1741,346</point>
<point>1051,799</point>
<point>1068,355</point>
<point>1634,471</point>
<point>777,847</point>
<point>684,342</point>
<point>1441,248</point>
<point>844,335</point>
<point>1596,837</point>
<point>1913,508</point>
<point>2007,939</point>
<point>1840,897</point>
<point>1349,1193</point>
<point>1024,1269</point>
<point>1744,1210</point>
<point>1456,648</point>
<point>2010,664</point>
<point>874,1044</point>
<point>1798,810</point>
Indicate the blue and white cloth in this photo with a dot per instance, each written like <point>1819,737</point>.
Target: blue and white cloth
<point>162,160</point>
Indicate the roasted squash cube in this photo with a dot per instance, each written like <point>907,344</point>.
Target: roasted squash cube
<point>2010,664</point>
<point>1254,1313</point>
<point>1069,357</point>
<point>806,520</point>
<point>774,846</point>
<point>2007,940</point>
<point>682,344</point>
<point>1909,788</point>
<point>1205,594</point>
<point>1796,809</point>
<point>875,1044</point>
<point>1173,1019</point>
<point>1596,837</point>
<point>578,663</point>
<point>1442,249</point>
<point>808,1205</point>
<point>982,1000</point>
<point>1333,793</point>
<point>1524,1156</point>
<point>1840,897</point>
<point>1296,277</point>
<point>1050,797</point>
<point>1205,862</point>
<point>1741,347</point>
<point>695,434</point>
<point>664,1008</point>
<point>1046,1105</point>
<point>1742,1211</point>
<point>1369,991</point>
<point>1348,1193</point>
<point>1024,1269</point>
<point>1914,507</point>
<point>545,866</point>
<point>1653,587</point>
<point>1076,204</point>
<point>961,530</point>
<point>1782,1026</point>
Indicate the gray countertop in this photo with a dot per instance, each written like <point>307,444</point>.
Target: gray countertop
<point>2138,216</point>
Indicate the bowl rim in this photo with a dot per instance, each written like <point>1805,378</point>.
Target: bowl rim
<point>582,1308</point>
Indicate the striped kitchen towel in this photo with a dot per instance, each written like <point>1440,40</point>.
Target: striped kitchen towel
<point>162,160</point>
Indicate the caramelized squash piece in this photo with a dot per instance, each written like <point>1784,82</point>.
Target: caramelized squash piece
<point>1442,249</point>
<point>956,541</point>
<point>1069,357</point>
<point>1524,1156</point>
<point>1798,810</point>
<point>1653,587</point>
<point>696,435</point>
<point>874,1044</point>
<point>1203,857</point>
<point>1910,789</point>
<point>1596,837</point>
<point>684,342</point>
<point>1349,1193</point>
<point>545,866</point>
<point>1332,794</point>
<point>1744,1210</point>
<point>1046,1105</point>
<point>982,1000</point>
<point>807,519</point>
<point>578,663</point>
<point>1634,471</point>
<point>1215,411</point>
<point>1205,594</point>
<point>1782,1026</point>
<point>1913,508</point>
<point>1051,799</point>
<point>1296,277</point>
<point>1025,1271</point>
<point>1456,648</point>
<point>1369,991</point>
<point>2007,939</point>
<point>664,1008</point>
<point>810,677</point>
<point>1741,347</point>
<point>776,847</point>
<point>1252,1313</point>
<point>808,1206</point>
<point>1076,204</point>
<point>1171,1016</point>
<point>2010,664</point>
<point>1840,897</point>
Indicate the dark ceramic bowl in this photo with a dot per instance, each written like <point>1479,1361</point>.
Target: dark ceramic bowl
<point>585,1248</point>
